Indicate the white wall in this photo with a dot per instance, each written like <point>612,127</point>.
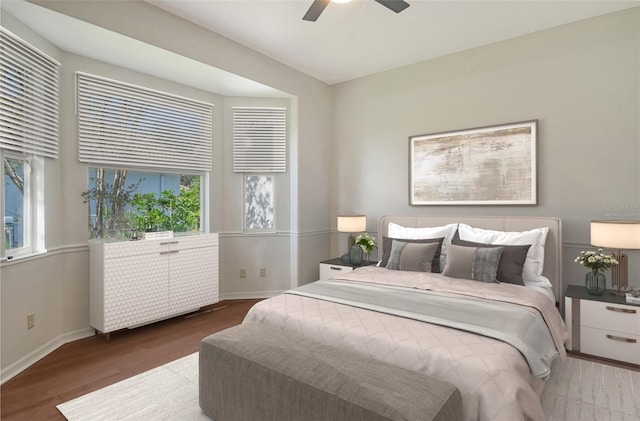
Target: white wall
<point>55,287</point>
<point>580,81</point>
<point>252,251</point>
<point>310,136</point>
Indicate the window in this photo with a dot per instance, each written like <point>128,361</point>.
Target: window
<point>123,204</point>
<point>16,203</point>
<point>29,90</point>
<point>122,125</point>
<point>161,148</point>
<point>23,212</point>
<point>259,139</point>
<point>28,134</point>
<point>259,195</point>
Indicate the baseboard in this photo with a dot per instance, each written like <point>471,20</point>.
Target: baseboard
<point>46,349</point>
<point>602,360</point>
<point>249,295</point>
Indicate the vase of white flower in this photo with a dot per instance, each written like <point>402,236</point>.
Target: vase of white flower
<point>595,281</point>
<point>355,255</point>
<point>367,243</point>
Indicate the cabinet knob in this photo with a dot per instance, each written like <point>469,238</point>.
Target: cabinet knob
<point>335,267</point>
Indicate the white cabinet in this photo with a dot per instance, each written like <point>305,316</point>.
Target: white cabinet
<point>603,326</point>
<point>138,282</point>
<point>610,331</point>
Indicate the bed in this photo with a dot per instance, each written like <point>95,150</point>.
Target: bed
<point>500,377</point>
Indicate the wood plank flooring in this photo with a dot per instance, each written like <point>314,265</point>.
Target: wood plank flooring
<point>89,364</point>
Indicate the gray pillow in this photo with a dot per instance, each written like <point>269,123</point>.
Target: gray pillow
<point>511,261</point>
<point>388,242</point>
<point>414,257</point>
<point>477,263</point>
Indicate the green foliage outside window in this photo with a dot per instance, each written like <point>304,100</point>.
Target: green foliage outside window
<point>168,211</point>
<point>118,211</point>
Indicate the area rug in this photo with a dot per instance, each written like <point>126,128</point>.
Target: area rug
<point>578,390</point>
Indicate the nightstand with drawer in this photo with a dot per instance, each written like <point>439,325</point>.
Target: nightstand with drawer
<point>335,267</point>
<point>603,326</point>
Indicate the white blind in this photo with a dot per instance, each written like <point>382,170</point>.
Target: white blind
<point>29,92</point>
<point>125,125</point>
<point>259,139</point>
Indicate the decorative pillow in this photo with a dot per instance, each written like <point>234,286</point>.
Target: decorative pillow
<point>414,257</point>
<point>536,238</point>
<point>410,233</point>
<point>388,242</point>
<point>511,261</point>
<point>477,263</point>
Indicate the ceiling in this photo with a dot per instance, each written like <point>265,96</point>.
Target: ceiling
<point>356,39</point>
<point>82,38</point>
<point>348,41</point>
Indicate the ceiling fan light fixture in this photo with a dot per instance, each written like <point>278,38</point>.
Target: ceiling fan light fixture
<point>318,6</point>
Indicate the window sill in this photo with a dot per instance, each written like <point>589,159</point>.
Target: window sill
<point>10,260</point>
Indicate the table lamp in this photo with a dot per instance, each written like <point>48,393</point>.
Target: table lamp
<point>619,235</point>
<point>352,224</point>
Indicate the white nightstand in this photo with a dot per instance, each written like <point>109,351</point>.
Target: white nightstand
<point>334,267</point>
<point>604,326</point>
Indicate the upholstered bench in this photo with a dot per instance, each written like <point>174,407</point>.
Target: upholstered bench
<point>254,372</point>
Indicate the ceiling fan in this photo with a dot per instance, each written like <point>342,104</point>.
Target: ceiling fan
<point>319,5</point>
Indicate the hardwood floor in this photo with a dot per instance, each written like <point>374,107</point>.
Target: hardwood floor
<point>89,364</point>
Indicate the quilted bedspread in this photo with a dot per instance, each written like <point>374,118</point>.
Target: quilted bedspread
<point>493,377</point>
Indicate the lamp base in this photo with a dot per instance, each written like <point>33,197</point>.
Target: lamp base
<point>620,274</point>
<point>351,242</point>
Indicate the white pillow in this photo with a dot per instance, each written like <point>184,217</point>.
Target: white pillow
<point>537,238</point>
<point>408,233</point>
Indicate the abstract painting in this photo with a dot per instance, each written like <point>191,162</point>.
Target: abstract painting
<point>483,166</point>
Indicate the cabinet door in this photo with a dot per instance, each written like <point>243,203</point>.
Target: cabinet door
<point>194,278</point>
<point>136,290</point>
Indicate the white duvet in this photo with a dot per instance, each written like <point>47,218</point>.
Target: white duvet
<point>492,376</point>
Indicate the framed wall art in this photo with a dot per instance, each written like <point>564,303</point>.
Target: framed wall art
<point>259,196</point>
<point>483,166</point>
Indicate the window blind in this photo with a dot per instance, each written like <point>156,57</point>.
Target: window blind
<point>259,139</point>
<point>125,125</point>
<point>29,93</point>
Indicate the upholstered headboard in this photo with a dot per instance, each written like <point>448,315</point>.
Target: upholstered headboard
<point>553,248</point>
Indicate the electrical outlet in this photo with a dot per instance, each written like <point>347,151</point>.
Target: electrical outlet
<point>263,272</point>
<point>31,320</point>
<point>243,273</point>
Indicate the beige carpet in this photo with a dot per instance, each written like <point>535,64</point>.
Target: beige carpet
<point>577,391</point>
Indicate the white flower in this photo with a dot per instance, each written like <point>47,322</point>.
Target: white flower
<point>596,260</point>
<point>366,242</point>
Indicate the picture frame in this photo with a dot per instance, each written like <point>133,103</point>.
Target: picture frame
<point>259,203</point>
<point>492,165</point>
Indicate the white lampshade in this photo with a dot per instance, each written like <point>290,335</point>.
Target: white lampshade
<point>352,223</point>
<point>621,235</point>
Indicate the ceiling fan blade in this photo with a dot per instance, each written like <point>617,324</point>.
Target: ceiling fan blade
<point>395,5</point>
<point>315,10</point>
